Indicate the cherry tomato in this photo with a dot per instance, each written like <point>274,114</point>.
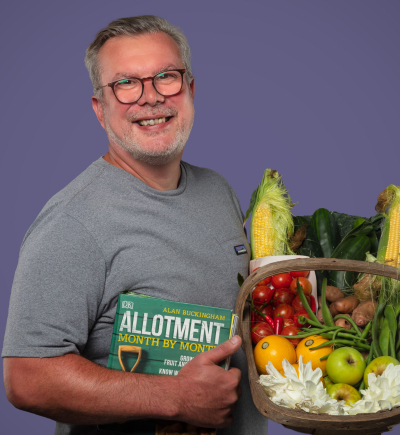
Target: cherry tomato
<point>303,273</point>
<point>267,310</point>
<point>265,281</point>
<point>305,285</point>
<point>297,316</point>
<point>298,305</point>
<point>282,280</point>
<point>292,330</point>
<point>288,322</point>
<point>262,294</point>
<point>260,330</point>
<point>286,311</point>
<point>282,296</point>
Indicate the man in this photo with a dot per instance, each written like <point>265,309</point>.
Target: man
<point>137,219</point>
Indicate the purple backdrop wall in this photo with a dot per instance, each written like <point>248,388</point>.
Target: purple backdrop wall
<point>318,100</point>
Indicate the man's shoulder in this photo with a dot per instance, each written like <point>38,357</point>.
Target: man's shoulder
<point>207,176</point>
<point>86,184</point>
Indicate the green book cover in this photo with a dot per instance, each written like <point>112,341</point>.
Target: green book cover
<point>157,336</point>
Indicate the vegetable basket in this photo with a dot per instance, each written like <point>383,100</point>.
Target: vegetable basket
<point>299,420</point>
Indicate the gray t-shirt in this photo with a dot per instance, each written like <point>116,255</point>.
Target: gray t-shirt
<point>107,232</point>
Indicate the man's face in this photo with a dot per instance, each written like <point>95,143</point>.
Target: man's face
<point>144,56</point>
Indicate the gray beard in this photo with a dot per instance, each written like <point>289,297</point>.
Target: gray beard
<point>129,143</point>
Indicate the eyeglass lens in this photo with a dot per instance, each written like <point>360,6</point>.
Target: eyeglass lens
<point>167,83</point>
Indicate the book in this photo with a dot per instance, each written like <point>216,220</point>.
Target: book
<point>158,336</point>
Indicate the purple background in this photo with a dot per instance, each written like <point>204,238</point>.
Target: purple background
<point>310,88</point>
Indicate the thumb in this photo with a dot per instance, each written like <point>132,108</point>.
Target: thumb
<point>224,350</point>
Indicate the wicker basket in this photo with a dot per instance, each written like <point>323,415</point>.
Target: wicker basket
<point>301,421</point>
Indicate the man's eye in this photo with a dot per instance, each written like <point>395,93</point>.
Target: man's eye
<point>124,82</point>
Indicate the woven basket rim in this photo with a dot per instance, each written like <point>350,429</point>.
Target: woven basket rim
<point>381,420</point>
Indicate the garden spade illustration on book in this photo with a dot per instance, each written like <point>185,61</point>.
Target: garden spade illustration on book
<point>157,336</point>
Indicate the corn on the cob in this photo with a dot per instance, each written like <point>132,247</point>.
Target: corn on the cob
<point>389,245</point>
<point>271,220</point>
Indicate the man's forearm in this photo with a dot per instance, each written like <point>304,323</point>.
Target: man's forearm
<point>73,390</point>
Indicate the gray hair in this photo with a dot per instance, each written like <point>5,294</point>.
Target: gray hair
<point>133,26</point>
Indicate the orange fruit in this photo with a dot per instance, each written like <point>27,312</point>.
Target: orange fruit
<point>314,356</point>
<point>273,348</point>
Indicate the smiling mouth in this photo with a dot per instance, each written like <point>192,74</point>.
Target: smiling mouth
<point>155,121</point>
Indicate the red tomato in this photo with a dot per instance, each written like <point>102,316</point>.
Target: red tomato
<point>267,310</point>
<point>288,322</point>
<point>286,311</point>
<point>282,296</point>
<point>303,273</point>
<point>260,330</point>
<point>282,280</point>
<point>262,294</point>
<point>297,316</point>
<point>292,330</point>
<point>265,281</point>
<point>305,285</point>
<point>298,305</point>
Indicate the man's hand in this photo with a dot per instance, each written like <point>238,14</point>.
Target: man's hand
<point>208,393</point>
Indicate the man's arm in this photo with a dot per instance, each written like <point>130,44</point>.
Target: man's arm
<point>71,389</point>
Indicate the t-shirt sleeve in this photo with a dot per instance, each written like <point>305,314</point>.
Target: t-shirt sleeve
<point>57,289</point>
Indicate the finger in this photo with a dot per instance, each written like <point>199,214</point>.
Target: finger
<point>236,372</point>
<point>224,350</point>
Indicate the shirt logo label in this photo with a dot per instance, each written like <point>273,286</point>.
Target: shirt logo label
<point>240,249</point>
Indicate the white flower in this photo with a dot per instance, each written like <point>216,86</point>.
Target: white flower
<point>306,391</point>
<point>384,390</point>
<point>302,392</point>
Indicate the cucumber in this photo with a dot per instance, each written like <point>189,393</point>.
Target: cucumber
<point>354,248</point>
<point>326,230</point>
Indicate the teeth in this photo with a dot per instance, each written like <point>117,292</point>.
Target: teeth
<point>145,122</point>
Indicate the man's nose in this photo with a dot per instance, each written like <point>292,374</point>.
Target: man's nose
<point>150,95</point>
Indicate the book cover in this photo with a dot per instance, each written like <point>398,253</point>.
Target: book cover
<point>157,336</point>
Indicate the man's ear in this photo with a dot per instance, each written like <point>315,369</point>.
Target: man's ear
<point>191,87</point>
<point>98,110</point>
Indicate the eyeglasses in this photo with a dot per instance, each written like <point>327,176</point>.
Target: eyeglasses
<point>130,89</point>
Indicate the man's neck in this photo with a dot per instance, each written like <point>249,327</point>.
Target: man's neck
<point>163,177</point>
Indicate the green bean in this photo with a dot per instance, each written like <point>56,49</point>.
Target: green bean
<point>350,320</point>
<point>366,330</point>
<point>345,342</point>
<point>326,314</point>
<point>392,346</point>
<point>324,357</point>
<point>375,328</point>
<point>391,317</point>
<point>384,337</point>
<point>303,320</point>
<point>304,301</point>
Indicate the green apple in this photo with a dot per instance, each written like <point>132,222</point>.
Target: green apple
<point>327,382</point>
<point>346,366</point>
<point>378,366</point>
<point>344,392</point>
